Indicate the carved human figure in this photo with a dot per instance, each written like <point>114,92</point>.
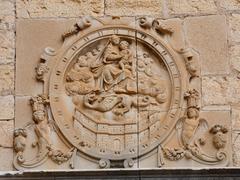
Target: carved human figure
<point>107,72</point>
<point>80,78</point>
<point>145,64</point>
<point>191,125</point>
<point>42,127</point>
<point>40,118</point>
<point>126,62</point>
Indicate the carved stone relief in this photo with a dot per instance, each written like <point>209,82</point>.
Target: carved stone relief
<point>115,93</point>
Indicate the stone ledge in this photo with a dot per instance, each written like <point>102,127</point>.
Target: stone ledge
<point>229,173</point>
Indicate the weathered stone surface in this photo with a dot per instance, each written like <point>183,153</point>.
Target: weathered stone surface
<point>234,27</point>
<point>208,35</point>
<point>6,107</point>
<point>133,7</point>
<point>6,133</point>
<point>235,118</point>
<point>6,79</point>
<point>58,8</point>
<point>7,43</point>
<point>236,148</point>
<point>191,6</point>
<point>234,53</point>
<point>6,159</point>
<point>7,15</point>
<point>7,26</point>
<point>230,4</point>
<point>27,56</point>
<point>220,90</point>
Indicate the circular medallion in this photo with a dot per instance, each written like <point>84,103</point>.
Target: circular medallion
<point>115,93</point>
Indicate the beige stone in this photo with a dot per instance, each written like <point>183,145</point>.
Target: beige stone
<point>234,27</point>
<point>191,6</point>
<point>58,8</point>
<point>6,159</point>
<point>7,35</point>
<point>236,148</point>
<point>6,107</point>
<point>208,35</point>
<point>7,45</point>
<point>208,120</point>
<point>114,99</point>
<point>6,133</point>
<point>220,90</point>
<point>234,53</point>
<point>133,7</point>
<point>7,15</point>
<point>27,56</point>
<point>235,116</point>
<point>230,4</point>
<point>6,79</point>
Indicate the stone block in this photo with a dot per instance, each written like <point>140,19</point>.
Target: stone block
<point>230,4</point>
<point>236,148</point>
<point>6,107</point>
<point>59,8</point>
<point>23,111</point>
<point>6,133</point>
<point>133,7</point>
<point>6,79</point>
<point>7,35</point>
<point>7,15</point>
<point>234,28</point>
<point>7,45</point>
<point>208,35</point>
<point>29,49</point>
<point>191,6</point>
<point>220,90</point>
<point>234,53</point>
<point>235,116</point>
<point>6,159</point>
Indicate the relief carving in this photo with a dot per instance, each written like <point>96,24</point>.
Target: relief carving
<point>42,67</point>
<point>43,142</point>
<point>116,94</point>
<point>82,24</point>
<point>192,130</point>
<point>157,24</point>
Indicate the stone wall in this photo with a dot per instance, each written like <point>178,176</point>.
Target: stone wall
<point>220,55</point>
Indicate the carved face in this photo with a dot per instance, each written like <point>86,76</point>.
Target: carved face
<point>115,40</point>
<point>124,45</point>
<point>82,61</point>
<point>145,55</point>
<point>192,113</point>
<point>39,116</point>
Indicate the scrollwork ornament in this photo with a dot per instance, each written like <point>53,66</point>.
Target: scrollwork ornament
<point>104,163</point>
<point>128,163</point>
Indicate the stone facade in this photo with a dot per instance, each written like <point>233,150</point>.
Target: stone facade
<point>210,27</point>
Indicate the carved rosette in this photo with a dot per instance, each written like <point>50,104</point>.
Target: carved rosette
<point>115,93</point>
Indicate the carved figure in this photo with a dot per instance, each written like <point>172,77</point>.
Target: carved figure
<point>59,157</point>
<point>161,27</point>
<point>41,69</point>
<point>106,69</point>
<point>191,124</point>
<point>126,61</point>
<point>40,117</point>
<point>19,143</point>
<point>82,24</point>
<point>219,136</point>
<point>80,78</point>
<point>190,62</point>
